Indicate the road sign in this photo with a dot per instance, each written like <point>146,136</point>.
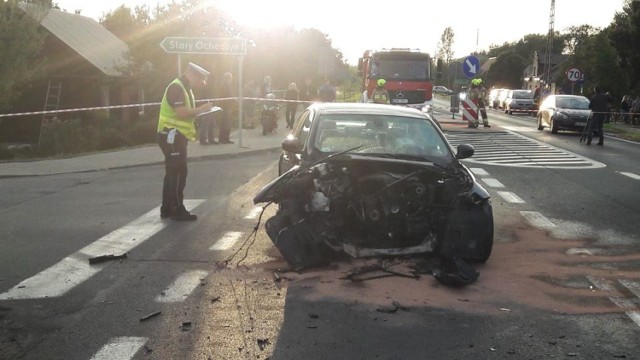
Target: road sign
<point>221,46</point>
<point>574,74</point>
<point>471,66</point>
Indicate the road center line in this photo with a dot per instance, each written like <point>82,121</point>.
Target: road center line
<point>479,171</point>
<point>494,183</point>
<point>510,197</point>
<point>631,175</point>
<point>538,220</point>
<point>75,269</point>
<point>227,241</point>
<point>182,287</point>
<point>121,348</point>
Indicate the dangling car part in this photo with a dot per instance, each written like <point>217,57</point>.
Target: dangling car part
<point>385,196</point>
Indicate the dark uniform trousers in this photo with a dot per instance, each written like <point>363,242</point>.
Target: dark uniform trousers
<point>175,177</point>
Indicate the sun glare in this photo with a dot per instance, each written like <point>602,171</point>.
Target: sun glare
<point>256,14</point>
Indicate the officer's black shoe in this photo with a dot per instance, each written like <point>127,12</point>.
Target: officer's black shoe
<point>164,212</point>
<point>181,214</point>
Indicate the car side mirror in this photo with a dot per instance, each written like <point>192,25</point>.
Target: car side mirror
<point>292,145</point>
<point>464,151</point>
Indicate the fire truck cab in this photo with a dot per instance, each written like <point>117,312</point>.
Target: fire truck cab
<point>407,73</point>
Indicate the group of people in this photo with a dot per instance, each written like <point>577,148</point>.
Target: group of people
<point>181,120</point>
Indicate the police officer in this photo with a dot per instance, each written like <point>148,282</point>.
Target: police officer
<point>176,127</point>
<point>380,95</point>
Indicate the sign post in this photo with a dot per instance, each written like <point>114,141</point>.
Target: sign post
<point>213,46</point>
<point>573,74</point>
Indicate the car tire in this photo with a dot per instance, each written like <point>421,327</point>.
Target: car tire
<point>540,127</point>
<point>486,246</point>
<point>553,126</point>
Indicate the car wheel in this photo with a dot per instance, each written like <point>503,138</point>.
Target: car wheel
<point>540,127</point>
<point>553,126</point>
<point>485,247</point>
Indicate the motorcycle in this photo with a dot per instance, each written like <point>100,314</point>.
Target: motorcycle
<point>269,115</point>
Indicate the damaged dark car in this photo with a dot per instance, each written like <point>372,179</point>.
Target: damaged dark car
<point>372,180</point>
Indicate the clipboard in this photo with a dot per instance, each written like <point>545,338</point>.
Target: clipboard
<point>213,109</point>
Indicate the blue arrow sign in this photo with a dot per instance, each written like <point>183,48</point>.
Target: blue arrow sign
<point>471,66</point>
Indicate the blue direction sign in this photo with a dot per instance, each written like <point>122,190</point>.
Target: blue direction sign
<point>471,66</point>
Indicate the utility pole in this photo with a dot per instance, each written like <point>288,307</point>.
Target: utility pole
<point>549,47</point>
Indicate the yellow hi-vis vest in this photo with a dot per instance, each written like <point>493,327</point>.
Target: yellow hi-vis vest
<point>170,120</point>
<point>380,96</point>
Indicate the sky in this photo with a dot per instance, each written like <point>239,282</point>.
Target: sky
<point>355,27</point>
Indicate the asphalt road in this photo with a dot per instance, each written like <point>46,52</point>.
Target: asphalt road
<point>562,282</point>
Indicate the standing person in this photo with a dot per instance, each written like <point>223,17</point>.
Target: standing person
<point>327,92</point>
<point>206,124</point>
<point>482,107</point>
<point>599,106</point>
<point>380,95</point>
<point>176,127</point>
<point>249,105</point>
<point>308,93</point>
<point>293,95</point>
<point>225,91</point>
<point>625,107</point>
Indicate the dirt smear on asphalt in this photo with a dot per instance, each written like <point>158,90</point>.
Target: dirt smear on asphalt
<point>528,267</point>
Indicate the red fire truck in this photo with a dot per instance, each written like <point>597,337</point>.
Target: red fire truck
<point>407,73</point>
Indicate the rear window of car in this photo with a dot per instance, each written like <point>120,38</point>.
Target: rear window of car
<point>524,94</point>
<point>578,103</point>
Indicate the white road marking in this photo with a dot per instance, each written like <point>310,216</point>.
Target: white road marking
<point>227,241</point>
<point>255,212</point>
<point>538,220</point>
<point>494,183</point>
<point>182,287</point>
<point>623,303</point>
<point>633,286</point>
<point>121,348</point>
<point>510,197</point>
<point>631,175</point>
<point>479,171</point>
<point>635,316</point>
<point>579,251</point>
<point>601,284</point>
<point>75,269</point>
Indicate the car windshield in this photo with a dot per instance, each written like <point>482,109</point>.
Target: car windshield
<point>401,69</point>
<point>523,95</point>
<point>578,103</point>
<point>381,135</point>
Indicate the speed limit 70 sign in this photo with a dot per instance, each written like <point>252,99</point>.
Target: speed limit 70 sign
<point>574,74</point>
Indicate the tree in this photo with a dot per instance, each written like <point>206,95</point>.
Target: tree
<point>445,45</point>
<point>507,70</point>
<point>21,41</point>
<point>625,38</point>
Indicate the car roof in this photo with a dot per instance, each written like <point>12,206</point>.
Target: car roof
<point>367,108</point>
<point>570,96</point>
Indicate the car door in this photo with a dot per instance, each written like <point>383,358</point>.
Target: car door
<point>300,132</point>
<point>546,109</point>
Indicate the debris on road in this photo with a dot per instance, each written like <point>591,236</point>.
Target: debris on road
<point>105,258</point>
<point>150,316</point>
<point>455,272</point>
<point>262,343</point>
<point>215,299</point>
<point>186,326</point>
<point>395,306</point>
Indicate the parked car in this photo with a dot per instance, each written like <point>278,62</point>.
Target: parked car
<point>519,101</point>
<point>563,112</point>
<point>442,90</point>
<point>373,180</point>
<point>502,98</point>
<point>494,97</point>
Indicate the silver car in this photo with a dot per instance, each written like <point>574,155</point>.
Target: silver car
<point>519,101</point>
<point>373,180</point>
